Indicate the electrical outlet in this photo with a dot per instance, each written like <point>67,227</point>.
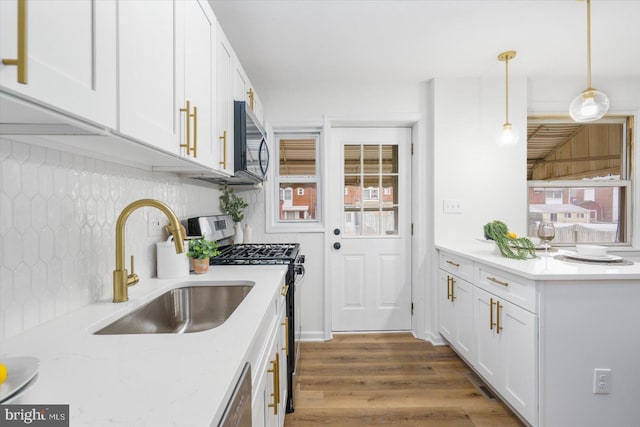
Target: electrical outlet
<point>452,206</point>
<point>154,227</point>
<point>601,381</point>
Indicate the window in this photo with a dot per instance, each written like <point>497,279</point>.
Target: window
<point>579,178</point>
<point>370,194</point>
<point>297,169</point>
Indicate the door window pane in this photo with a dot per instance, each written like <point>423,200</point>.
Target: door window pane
<point>352,159</point>
<point>389,159</point>
<point>370,222</point>
<point>352,193</point>
<point>370,190</point>
<point>390,221</point>
<point>371,158</point>
<point>389,190</point>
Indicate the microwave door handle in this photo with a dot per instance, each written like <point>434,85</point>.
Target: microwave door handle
<point>263,167</point>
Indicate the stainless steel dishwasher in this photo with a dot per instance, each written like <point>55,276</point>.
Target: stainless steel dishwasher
<point>238,410</point>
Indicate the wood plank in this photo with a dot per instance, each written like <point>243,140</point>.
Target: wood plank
<point>389,379</point>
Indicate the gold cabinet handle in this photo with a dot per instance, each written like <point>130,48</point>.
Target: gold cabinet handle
<point>448,288</point>
<point>187,142</point>
<point>455,264</point>
<point>285,290</point>
<point>21,61</point>
<point>286,335</point>
<point>251,94</point>
<point>494,280</point>
<point>224,149</point>
<point>195,131</point>
<point>491,322</point>
<point>453,296</point>
<point>498,323</point>
<point>276,378</point>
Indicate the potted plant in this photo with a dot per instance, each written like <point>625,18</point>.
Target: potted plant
<point>507,242</point>
<point>233,205</point>
<point>200,250</point>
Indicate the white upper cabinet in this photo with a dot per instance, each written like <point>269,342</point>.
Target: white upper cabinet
<point>244,91</point>
<point>224,107</point>
<point>66,51</point>
<point>148,107</point>
<point>196,67</point>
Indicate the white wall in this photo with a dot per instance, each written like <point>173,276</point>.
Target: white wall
<point>488,179</point>
<point>57,228</point>
<point>291,105</point>
<point>303,106</point>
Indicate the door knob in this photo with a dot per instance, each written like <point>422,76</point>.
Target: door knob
<point>336,231</point>
<point>337,245</point>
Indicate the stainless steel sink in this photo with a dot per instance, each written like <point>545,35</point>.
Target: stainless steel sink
<point>183,310</point>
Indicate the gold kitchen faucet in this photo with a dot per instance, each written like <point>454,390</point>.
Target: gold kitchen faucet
<point>121,278</point>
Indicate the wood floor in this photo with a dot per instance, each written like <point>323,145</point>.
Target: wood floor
<point>391,380</point>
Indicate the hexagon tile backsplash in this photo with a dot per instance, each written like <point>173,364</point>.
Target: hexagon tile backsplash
<point>57,228</point>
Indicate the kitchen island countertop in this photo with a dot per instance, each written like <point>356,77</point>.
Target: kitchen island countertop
<point>543,267</point>
<point>146,379</point>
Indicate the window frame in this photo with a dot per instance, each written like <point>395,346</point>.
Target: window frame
<point>628,156</point>
<point>273,222</point>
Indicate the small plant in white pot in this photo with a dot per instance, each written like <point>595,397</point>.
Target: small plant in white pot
<point>233,205</point>
<point>200,250</point>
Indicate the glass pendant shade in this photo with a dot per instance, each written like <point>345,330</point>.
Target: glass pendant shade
<point>589,106</point>
<point>508,135</point>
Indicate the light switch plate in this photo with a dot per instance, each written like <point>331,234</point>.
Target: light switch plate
<point>452,206</point>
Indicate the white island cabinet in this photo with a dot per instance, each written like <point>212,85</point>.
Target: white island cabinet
<point>537,330</point>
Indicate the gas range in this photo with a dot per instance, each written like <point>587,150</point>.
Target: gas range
<point>220,228</point>
<point>257,254</point>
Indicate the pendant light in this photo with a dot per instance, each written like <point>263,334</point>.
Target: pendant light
<point>508,135</point>
<point>591,104</point>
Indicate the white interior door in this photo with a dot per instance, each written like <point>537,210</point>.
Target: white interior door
<point>369,216</point>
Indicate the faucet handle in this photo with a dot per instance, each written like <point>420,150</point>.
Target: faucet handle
<point>132,278</point>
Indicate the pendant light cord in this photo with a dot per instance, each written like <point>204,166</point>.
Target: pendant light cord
<point>506,80</point>
<point>589,44</point>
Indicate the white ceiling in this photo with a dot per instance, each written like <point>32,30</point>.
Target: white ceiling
<point>301,42</point>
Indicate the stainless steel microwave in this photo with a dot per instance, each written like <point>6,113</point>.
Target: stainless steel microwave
<point>251,152</point>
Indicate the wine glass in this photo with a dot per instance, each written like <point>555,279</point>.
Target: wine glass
<point>546,233</point>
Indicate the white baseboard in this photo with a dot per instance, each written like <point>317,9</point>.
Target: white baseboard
<point>313,336</point>
<point>434,339</point>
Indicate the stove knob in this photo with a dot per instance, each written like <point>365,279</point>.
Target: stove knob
<point>337,245</point>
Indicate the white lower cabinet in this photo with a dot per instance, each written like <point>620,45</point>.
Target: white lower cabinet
<point>506,350</point>
<point>484,319</point>
<point>456,313</point>
<point>269,371</point>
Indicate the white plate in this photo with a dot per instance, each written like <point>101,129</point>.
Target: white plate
<point>20,370</point>
<point>581,257</point>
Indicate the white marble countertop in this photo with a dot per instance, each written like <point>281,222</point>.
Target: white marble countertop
<point>543,267</point>
<point>148,379</point>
